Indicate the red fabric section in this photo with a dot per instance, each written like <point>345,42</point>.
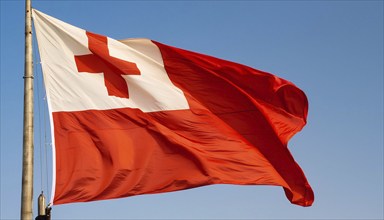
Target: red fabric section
<point>101,62</point>
<point>262,108</point>
<point>235,132</point>
<point>124,152</point>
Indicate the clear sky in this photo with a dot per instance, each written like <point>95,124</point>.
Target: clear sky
<point>333,50</point>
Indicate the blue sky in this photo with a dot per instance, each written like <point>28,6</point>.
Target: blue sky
<point>333,50</point>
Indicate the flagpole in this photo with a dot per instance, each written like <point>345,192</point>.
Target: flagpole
<point>27,175</point>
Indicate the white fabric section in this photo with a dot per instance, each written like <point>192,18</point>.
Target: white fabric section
<point>69,90</point>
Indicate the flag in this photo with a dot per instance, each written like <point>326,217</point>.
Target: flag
<point>137,116</point>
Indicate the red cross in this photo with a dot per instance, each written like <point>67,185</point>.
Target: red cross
<point>101,62</point>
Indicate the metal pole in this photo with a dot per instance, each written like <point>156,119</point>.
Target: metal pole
<point>27,175</point>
